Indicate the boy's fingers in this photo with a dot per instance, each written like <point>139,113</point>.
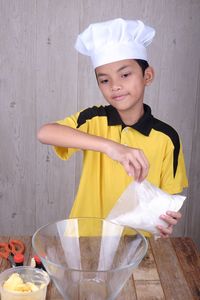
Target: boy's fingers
<point>134,162</point>
<point>168,219</point>
<point>133,169</point>
<point>171,217</point>
<point>144,160</point>
<point>176,215</point>
<point>165,232</point>
<point>138,169</point>
<point>144,165</point>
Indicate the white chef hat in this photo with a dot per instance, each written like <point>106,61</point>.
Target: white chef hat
<point>115,40</point>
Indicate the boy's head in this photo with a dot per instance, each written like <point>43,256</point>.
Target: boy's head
<point>118,52</point>
<point>116,40</point>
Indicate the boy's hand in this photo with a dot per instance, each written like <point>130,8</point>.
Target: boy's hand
<point>171,218</point>
<point>133,160</point>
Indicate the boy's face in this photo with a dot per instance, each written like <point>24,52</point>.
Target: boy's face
<point>122,84</point>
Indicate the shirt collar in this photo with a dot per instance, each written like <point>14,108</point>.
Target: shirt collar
<point>144,125</point>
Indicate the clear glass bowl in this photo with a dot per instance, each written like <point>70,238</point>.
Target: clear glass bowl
<point>89,258</point>
<point>28,274</point>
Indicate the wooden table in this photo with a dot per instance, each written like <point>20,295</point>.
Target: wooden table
<point>170,270</point>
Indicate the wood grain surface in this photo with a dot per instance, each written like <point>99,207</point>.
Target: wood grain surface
<point>170,270</point>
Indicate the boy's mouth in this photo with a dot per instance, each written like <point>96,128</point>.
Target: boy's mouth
<point>119,97</point>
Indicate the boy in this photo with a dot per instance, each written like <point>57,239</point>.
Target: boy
<point>123,140</point>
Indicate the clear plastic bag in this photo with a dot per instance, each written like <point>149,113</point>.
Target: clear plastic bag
<point>141,205</point>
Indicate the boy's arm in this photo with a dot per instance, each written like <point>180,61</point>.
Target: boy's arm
<point>133,160</point>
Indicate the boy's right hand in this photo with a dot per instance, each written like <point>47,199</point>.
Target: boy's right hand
<point>133,160</point>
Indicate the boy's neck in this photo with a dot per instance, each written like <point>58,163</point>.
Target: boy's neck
<point>132,117</point>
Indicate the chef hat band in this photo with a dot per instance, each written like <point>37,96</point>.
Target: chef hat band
<point>115,40</point>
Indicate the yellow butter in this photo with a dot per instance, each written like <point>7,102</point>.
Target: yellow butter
<point>16,283</point>
<point>13,281</point>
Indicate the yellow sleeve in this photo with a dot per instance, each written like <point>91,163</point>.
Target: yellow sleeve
<point>66,153</point>
<point>170,182</point>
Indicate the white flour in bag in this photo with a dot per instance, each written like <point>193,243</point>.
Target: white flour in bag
<point>141,205</point>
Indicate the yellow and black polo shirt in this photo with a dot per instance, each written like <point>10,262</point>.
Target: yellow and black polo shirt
<point>103,180</point>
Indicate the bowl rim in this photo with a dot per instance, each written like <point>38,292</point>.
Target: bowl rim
<point>135,263</point>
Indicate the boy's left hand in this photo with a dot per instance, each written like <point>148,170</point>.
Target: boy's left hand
<point>171,218</point>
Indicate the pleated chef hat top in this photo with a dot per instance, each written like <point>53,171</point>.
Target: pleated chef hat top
<point>115,40</point>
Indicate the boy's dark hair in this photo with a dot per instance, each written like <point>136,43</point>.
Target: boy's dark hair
<point>143,64</point>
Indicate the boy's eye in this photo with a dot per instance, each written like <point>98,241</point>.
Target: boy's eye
<point>126,75</point>
<point>103,81</point>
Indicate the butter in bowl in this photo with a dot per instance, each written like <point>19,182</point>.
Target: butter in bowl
<point>23,283</point>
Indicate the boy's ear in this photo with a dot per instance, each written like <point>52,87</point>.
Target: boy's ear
<point>149,75</point>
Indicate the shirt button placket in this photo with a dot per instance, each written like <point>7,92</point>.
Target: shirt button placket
<point>124,134</point>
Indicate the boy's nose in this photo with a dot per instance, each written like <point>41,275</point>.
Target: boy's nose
<point>116,87</point>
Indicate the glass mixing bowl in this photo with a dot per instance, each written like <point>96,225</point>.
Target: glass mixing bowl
<point>89,258</point>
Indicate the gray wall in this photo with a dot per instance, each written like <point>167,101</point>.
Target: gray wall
<point>43,79</point>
